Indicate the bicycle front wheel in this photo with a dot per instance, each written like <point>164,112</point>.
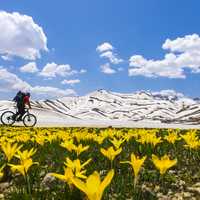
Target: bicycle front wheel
<point>29,120</point>
<point>7,118</point>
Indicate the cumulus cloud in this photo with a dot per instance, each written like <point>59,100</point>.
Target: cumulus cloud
<point>169,93</point>
<point>188,43</point>
<point>174,95</point>
<point>52,92</point>
<point>151,68</point>
<point>83,71</point>
<point>106,69</point>
<point>21,36</point>
<point>11,82</point>
<point>106,51</point>
<point>71,82</point>
<point>52,70</point>
<point>106,46</point>
<point>6,57</point>
<point>29,68</point>
<point>184,53</point>
<point>113,58</point>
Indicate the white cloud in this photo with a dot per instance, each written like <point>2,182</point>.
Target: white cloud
<point>10,82</point>
<point>83,71</point>
<point>106,46</point>
<point>53,70</point>
<point>150,68</point>
<point>70,82</point>
<point>20,36</point>
<point>6,57</point>
<point>106,69</point>
<point>112,57</point>
<point>184,53</point>
<point>73,72</point>
<point>169,93</point>
<point>185,44</point>
<point>106,51</point>
<point>29,68</point>
<point>51,92</point>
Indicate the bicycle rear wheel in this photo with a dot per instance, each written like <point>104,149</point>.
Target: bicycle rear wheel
<point>7,118</point>
<point>29,120</point>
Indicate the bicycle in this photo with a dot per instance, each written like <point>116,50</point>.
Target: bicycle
<point>8,118</point>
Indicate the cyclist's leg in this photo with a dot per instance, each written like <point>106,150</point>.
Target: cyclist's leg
<point>22,112</point>
<point>17,113</point>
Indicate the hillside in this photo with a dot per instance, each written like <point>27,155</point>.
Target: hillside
<point>101,106</point>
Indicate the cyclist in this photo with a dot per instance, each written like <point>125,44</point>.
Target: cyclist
<point>21,99</point>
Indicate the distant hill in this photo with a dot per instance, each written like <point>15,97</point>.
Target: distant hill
<point>168,107</point>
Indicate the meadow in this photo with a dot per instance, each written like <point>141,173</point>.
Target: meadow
<point>95,164</point>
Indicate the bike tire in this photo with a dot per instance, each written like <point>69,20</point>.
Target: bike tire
<point>27,118</point>
<point>10,115</point>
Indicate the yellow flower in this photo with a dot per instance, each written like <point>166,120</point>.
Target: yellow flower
<point>68,175</point>
<point>136,164</point>
<point>117,142</point>
<point>80,148</point>
<point>23,167</point>
<point>164,163</point>
<point>110,153</point>
<point>22,138</point>
<point>107,133</point>
<point>132,133</point>
<point>10,149</point>
<point>77,167</point>
<point>26,154</point>
<point>149,138</point>
<point>172,137</point>
<point>40,140</point>
<point>68,144</point>
<point>191,140</point>
<point>98,139</point>
<point>192,144</point>
<point>93,187</point>
<point>51,138</point>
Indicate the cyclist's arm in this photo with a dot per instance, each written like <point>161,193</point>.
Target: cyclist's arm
<point>29,105</point>
<point>27,102</point>
<point>14,99</point>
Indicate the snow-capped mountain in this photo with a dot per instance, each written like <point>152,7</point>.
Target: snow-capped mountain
<point>166,107</point>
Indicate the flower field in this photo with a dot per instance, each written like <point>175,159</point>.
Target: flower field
<point>95,164</point>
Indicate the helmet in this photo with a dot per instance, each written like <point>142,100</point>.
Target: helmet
<point>28,94</point>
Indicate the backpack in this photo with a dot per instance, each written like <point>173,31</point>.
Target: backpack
<point>19,98</point>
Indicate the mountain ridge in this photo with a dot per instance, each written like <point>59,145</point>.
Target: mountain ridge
<point>165,107</point>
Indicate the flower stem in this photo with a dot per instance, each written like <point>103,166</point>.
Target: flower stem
<point>135,182</point>
<point>28,186</point>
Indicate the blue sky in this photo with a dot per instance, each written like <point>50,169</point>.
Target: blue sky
<point>74,29</point>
